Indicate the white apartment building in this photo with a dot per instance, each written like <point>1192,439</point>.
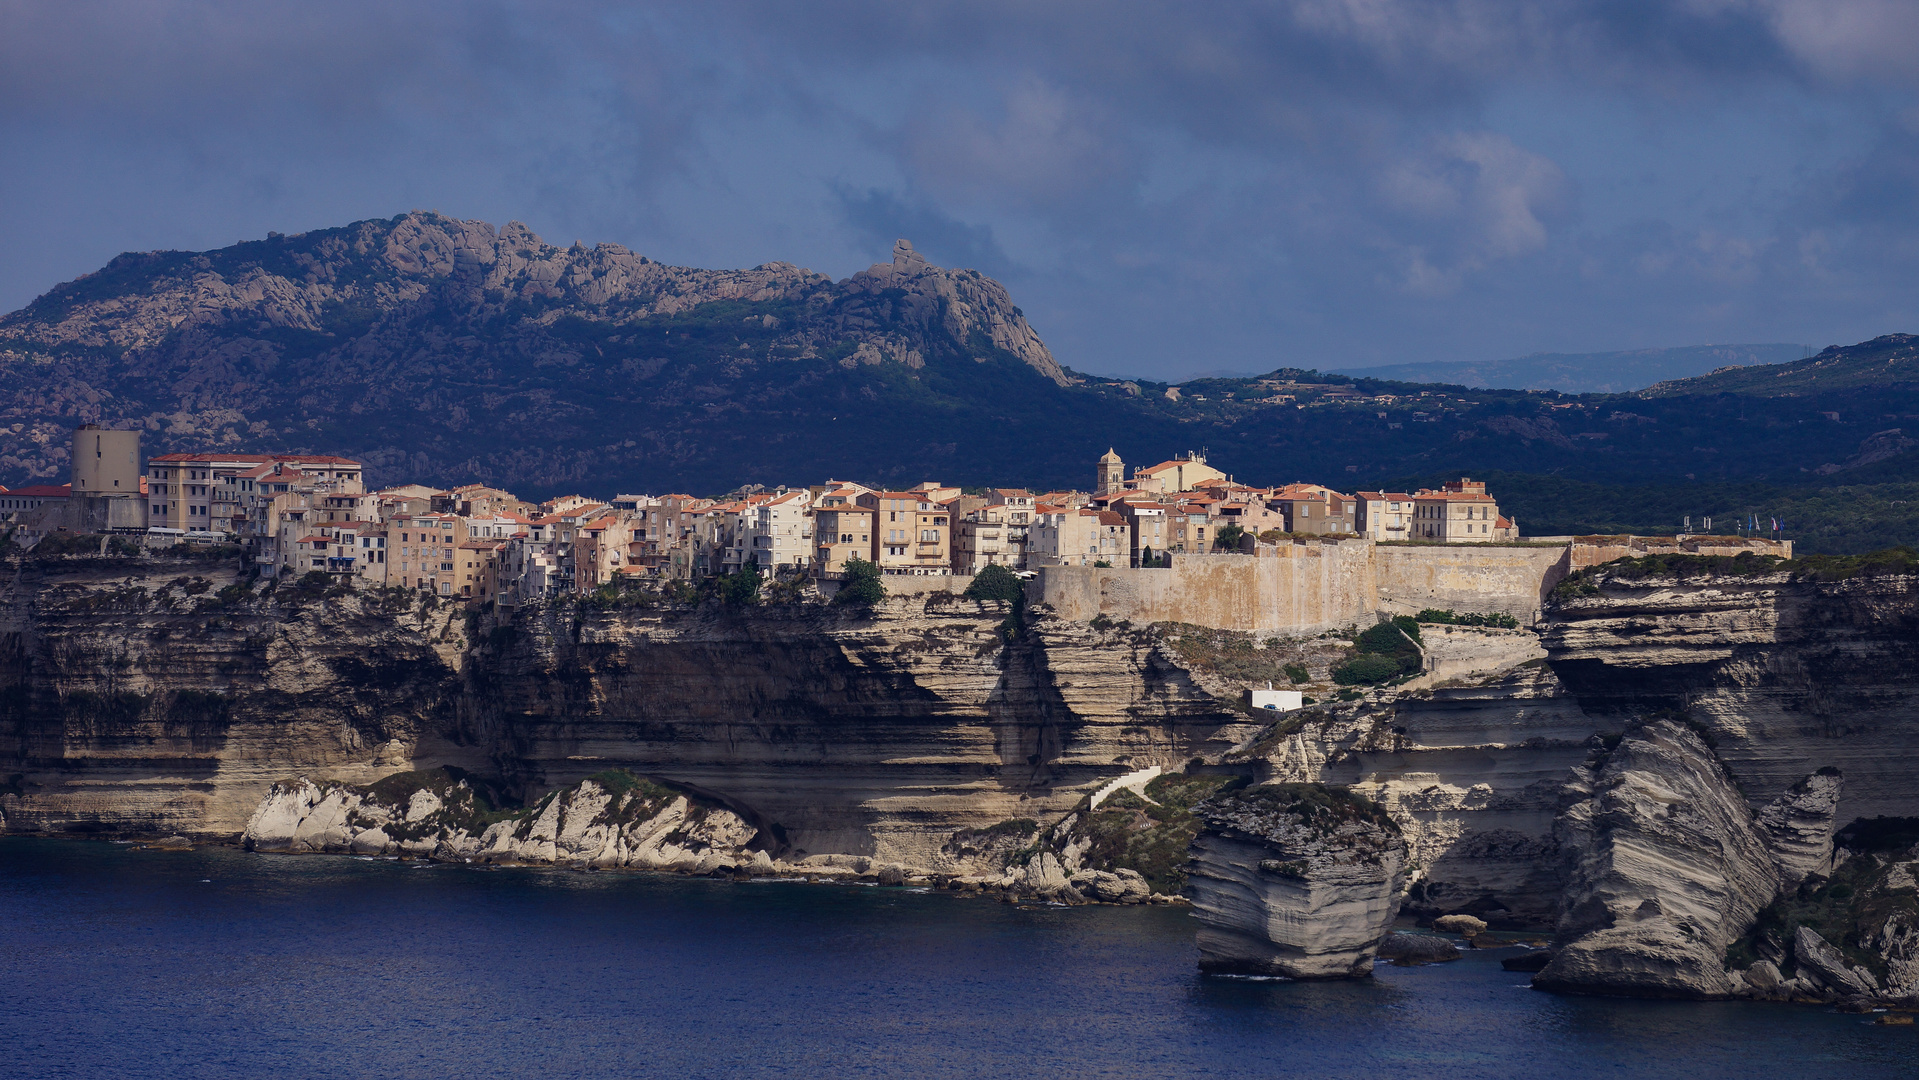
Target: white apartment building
<point>781,533</point>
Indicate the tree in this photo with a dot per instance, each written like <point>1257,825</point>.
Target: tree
<point>1228,537</point>
<point>860,584</point>
<point>995,582</point>
<point>743,588</point>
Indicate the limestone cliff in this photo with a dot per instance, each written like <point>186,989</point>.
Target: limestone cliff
<point>168,695</point>
<point>1779,673</point>
<point>1295,880</point>
<point>163,696</point>
<point>1665,867</point>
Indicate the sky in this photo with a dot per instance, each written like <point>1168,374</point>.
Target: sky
<point>1165,188</point>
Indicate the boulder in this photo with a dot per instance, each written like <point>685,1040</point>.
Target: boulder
<point>1763,978</point>
<point>1464,925</point>
<point>1798,827</point>
<point>891,876</point>
<point>1818,959</point>
<point>1534,960</point>
<point>1410,949</point>
<point>1298,880</point>
<point>1120,887</point>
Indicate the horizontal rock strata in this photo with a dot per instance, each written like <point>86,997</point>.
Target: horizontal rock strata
<point>1294,880</point>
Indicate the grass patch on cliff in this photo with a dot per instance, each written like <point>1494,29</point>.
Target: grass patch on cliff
<point>1322,807</point>
<point>1149,835</point>
<point>1896,560</point>
<point>1890,561</point>
<point>1448,617</point>
<point>1382,653</point>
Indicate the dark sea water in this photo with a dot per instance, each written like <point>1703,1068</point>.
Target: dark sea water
<point>214,963</point>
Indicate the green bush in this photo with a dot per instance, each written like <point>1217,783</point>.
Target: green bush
<point>1448,617</point>
<point>741,589</point>
<point>996,583</point>
<point>1228,536</point>
<point>1298,673</point>
<point>860,584</point>
<point>1366,669</point>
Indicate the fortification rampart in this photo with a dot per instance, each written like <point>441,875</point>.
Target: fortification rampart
<point>1309,585</point>
<point>1594,550</point>
<point>1468,577</point>
<point>1292,587</point>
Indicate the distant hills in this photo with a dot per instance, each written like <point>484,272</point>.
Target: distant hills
<point>1587,373</point>
<point>448,352</point>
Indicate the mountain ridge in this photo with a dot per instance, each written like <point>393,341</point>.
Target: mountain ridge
<point>447,352</point>
<point>1585,373</point>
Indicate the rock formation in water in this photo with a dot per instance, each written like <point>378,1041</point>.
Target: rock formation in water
<point>1775,672</point>
<point>1296,880</point>
<point>1665,867</point>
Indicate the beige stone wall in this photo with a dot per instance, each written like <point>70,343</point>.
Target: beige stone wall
<point>1468,577</point>
<point>1307,586</point>
<point>1596,550</point>
<point>1293,587</point>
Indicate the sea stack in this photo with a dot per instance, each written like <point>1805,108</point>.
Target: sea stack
<point>1296,880</point>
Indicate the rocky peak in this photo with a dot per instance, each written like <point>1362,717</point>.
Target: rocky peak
<point>905,259</point>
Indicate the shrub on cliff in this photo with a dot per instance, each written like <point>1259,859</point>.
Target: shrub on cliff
<point>860,584</point>
<point>741,589</point>
<point>1383,652</point>
<point>1469,618</point>
<point>996,583</point>
<point>1366,669</point>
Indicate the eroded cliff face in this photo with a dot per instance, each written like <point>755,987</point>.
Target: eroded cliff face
<point>163,696</point>
<point>169,696</point>
<point>1294,880</point>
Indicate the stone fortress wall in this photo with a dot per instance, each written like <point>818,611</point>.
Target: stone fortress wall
<point>1312,585</point>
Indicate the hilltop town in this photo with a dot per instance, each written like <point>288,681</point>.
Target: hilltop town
<point>302,513</point>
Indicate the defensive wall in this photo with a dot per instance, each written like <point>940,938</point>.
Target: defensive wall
<point>1309,585</point>
<point>1589,551</point>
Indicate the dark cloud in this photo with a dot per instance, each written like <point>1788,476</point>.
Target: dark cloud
<point>879,218</point>
<point>1169,188</point>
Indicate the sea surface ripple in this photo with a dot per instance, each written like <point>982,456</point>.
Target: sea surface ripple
<point>215,963</point>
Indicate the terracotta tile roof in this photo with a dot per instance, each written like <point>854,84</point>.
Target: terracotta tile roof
<point>44,491</point>
<point>1161,467</point>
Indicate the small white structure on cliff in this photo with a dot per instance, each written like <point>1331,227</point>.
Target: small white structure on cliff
<point>1276,700</point>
